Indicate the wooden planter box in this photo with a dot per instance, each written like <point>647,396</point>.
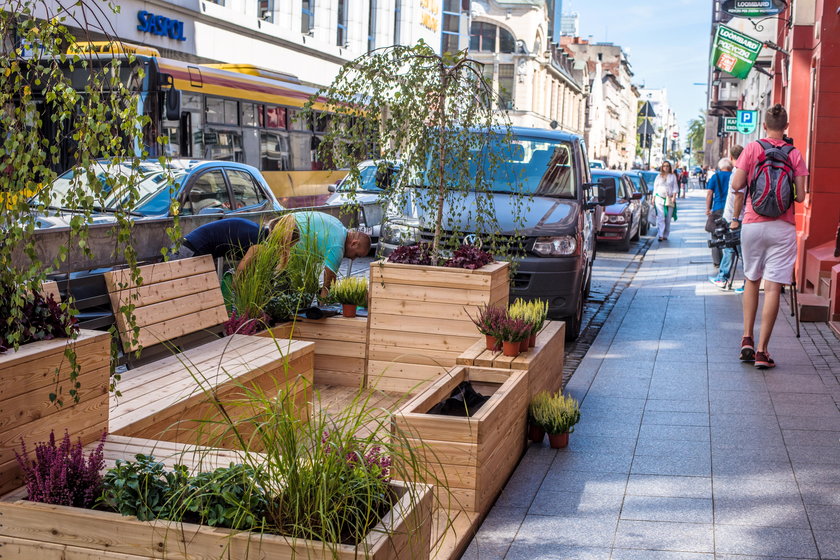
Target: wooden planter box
<point>49,532</point>
<point>28,377</point>
<point>340,347</point>
<point>543,362</point>
<point>420,319</point>
<point>473,456</point>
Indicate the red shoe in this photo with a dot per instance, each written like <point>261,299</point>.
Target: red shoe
<point>747,349</point>
<point>764,361</point>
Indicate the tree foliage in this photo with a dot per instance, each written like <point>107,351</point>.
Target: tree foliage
<point>61,107</point>
<point>697,137</point>
<point>435,115</point>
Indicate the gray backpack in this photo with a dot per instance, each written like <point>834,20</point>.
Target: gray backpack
<point>772,188</point>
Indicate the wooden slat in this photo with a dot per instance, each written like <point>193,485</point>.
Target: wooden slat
<point>161,272</point>
<point>33,351</point>
<point>332,328</point>
<point>389,353</point>
<point>429,276</point>
<point>452,296</point>
<point>151,315</point>
<point>423,309</point>
<point>425,325</point>
<point>429,343</point>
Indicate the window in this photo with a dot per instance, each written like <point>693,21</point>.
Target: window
<point>483,37</point>
<point>265,10</point>
<point>250,114</point>
<point>307,16</point>
<point>451,29</point>
<point>506,86</point>
<point>222,111</point>
<point>274,150</point>
<point>245,191</point>
<point>372,26</point>
<point>207,194</point>
<point>341,27</point>
<point>275,117</point>
<point>397,14</point>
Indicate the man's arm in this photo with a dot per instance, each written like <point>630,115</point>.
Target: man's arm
<point>738,180</point>
<point>329,278</point>
<point>799,182</point>
<point>737,206</point>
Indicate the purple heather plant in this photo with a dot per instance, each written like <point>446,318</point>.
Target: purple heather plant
<point>412,254</point>
<point>242,324</point>
<point>62,475</point>
<point>371,460</point>
<point>514,330</point>
<point>41,318</point>
<point>490,320</point>
<point>469,257</point>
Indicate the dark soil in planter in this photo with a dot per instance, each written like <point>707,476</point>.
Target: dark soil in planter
<point>464,402</point>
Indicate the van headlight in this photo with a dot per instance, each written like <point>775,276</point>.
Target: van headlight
<point>562,246</point>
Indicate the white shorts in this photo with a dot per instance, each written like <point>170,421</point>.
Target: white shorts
<point>769,251</point>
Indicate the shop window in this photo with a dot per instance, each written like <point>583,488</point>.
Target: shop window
<point>274,152</point>
<point>245,191</point>
<point>341,27</point>
<point>307,16</point>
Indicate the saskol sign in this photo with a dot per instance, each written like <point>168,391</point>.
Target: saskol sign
<point>752,8</point>
<point>734,52</point>
<point>160,25</point>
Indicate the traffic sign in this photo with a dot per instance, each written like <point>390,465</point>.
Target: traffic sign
<point>675,135</point>
<point>730,124</point>
<point>747,121</point>
<point>734,52</point>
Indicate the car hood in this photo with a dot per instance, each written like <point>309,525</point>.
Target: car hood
<point>341,198</point>
<point>616,208</point>
<point>533,217</point>
<point>59,220</point>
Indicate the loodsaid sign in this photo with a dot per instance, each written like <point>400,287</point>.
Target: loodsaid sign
<point>733,52</point>
<point>752,8</point>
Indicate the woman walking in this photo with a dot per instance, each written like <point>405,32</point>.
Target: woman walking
<point>665,192</point>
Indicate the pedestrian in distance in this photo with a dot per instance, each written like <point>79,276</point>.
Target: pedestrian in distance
<point>665,191</point>
<point>701,177</point>
<point>683,175</point>
<point>773,173</point>
<point>716,191</point>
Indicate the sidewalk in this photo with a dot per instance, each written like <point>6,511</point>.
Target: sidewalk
<point>682,451</point>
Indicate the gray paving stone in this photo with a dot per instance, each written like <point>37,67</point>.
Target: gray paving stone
<point>779,485</point>
<point>660,508</point>
<point>659,535</point>
<point>763,511</point>
<point>672,465</point>
<point>669,486</point>
<point>630,554</point>
<point>687,433</point>
<point>828,543</point>
<point>558,480</point>
<point>565,531</point>
<point>542,551</point>
<point>724,419</point>
<point>820,494</point>
<point>594,462</point>
<point>496,533</point>
<point>668,447</point>
<point>612,428</point>
<point>746,465</point>
<point>765,541</point>
<point>814,454</point>
<point>820,438</point>
<point>824,517</point>
<point>681,405</point>
<point>576,504</point>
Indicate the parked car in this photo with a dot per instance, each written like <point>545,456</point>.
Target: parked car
<point>623,219</point>
<point>201,187</point>
<point>641,185</point>
<point>597,164</point>
<point>558,224</point>
<point>374,176</point>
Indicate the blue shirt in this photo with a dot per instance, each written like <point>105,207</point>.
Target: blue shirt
<point>719,185</point>
<point>230,237</point>
<point>321,235</point>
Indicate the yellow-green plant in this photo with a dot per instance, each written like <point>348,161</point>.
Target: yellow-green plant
<point>533,312</point>
<point>352,290</point>
<point>538,408</point>
<point>556,413</point>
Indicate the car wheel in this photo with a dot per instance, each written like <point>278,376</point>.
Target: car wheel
<point>574,322</point>
<point>588,286</point>
<point>638,233</point>
<point>645,227</point>
<point>625,243</point>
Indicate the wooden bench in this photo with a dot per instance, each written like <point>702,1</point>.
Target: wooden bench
<point>543,362</point>
<point>172,399</point>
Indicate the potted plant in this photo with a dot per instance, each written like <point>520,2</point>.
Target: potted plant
<point>351,292</point>
<point>534,312</point>
<point>512,333</point>
<point>536,416</point>
<point>558,418</point>
<point>489,322</point>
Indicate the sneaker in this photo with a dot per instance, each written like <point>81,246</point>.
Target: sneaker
<point>747,349</point>
<point>739,290</point>
<point>764,361</point>
<point>719,283</point>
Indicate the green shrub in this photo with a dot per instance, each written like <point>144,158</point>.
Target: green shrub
<point>556,413</point>
<point>352,290</point>
<point>533,312</point>
<point>145,489</point>
<point>226,497</point>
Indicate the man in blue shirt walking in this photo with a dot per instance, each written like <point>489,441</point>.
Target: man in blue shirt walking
<point>716,190</point>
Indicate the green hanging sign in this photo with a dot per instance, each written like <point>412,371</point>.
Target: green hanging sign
<point>733,52</point>
<point>747,121</point>
<point>752,8</point>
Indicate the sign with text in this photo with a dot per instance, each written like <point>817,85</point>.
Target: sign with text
<point>733,52</point>
<point>730,124</point>
<point>746,121</point>
<point>752,8</point>
<point>160,25</point>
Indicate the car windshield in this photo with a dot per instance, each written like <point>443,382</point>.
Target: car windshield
<point>650,176</point>
<point>371,179</point>
<point>527,166</point>
<point>637,183</point>
<point>156,186</point>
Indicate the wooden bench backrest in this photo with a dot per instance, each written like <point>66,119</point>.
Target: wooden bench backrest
<point>174,299</point>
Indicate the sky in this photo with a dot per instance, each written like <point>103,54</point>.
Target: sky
<point>667,44</point>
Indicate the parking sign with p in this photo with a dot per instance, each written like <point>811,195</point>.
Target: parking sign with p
<point>747,121</point>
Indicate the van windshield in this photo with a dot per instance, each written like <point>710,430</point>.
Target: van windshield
<point>529,166</point>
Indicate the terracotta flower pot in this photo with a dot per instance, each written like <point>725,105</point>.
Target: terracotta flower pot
<point>535,433</point>
<point>558,441</point>
<point>510,348</point>
<point>532,341</point>
<point>348,310</point>
<point>492,343</point>
<point>523,346</point>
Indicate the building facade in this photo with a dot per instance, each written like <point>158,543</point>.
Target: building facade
<point>666,137</point>
<point>612,104</point>
<point>538,83</point>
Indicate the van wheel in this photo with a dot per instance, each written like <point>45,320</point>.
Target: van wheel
<point>574,323</point>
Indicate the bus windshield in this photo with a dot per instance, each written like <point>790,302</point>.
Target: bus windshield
<point>157,186</point>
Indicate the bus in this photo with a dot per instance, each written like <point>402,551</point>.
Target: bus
<point>231,112</point>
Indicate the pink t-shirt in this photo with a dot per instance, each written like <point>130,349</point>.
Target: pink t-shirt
<point>747,161</point>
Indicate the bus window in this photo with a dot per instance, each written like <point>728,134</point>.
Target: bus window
<point>208,191</point>
<point>296,122</point>
<point>224,145</point>
<point>301,151</point>
<point>245,192</point>
<point>222,111</point>
<point>274,152</point>
<point>275,117</point>
<point>250,113</point>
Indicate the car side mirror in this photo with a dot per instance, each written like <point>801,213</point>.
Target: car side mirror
<point>331,188</point>
<point>636,196</point>
<point>605,191</point>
